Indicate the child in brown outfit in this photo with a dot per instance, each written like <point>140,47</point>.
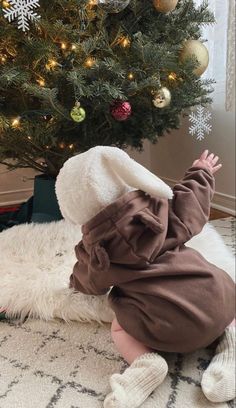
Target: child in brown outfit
<point>166,297</point>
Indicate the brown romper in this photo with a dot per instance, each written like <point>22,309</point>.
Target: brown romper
<point>164,294</point>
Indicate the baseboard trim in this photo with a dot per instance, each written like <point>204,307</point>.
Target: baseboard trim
<point>14,197</point>
<point>225,204</point>
<point>221,201</point>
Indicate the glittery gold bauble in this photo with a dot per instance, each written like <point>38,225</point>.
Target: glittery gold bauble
<point>78,114</point>
<point>194,48</point>
<point>164,6</point>
<point>162,98</point>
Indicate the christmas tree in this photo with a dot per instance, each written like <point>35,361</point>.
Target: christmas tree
<point>79,73</point>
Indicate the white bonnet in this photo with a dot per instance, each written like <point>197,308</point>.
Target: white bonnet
<point>90,181</point>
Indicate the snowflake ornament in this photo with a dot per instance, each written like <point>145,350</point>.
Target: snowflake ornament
<point>22,10</point>
<point>200,123</point>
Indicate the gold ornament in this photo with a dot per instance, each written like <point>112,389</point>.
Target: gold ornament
<point>194,48</point>
<point>162,98</point>
<point>164,6</point>
<point>78,114</point>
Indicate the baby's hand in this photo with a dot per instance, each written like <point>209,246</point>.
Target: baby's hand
<point>208,161</point>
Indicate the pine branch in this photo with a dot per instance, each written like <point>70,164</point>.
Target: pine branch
<point>48,96</point>
<point>12,77</point>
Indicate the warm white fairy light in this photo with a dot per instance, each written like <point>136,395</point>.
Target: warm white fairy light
<point>93,2</point>
<point>51,64</point>
<point>15,122</point>
<point>5,4</point>
<point>3,59</point>
<point>172,76</point>
<point>90,62</point>
<point>41,82</point>
<point>125,42</point>
<point>63,46</point>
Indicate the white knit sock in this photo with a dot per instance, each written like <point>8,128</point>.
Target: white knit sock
<point>133,387</point>
<point>218,381</point>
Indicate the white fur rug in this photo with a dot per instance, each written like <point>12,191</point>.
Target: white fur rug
<point>55,364</point>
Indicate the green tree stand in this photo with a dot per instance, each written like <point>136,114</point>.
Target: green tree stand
<point>41,207</point>
<point>45,205</point>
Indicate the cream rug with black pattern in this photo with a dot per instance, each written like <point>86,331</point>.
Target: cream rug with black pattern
<point>47,364</point>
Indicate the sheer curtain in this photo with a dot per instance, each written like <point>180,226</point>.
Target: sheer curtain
<point>230,84</point>
<point>221,46</point>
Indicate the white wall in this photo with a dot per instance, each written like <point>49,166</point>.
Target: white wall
<point>143,157</point>
<point>175,152</point>
<point>15,186</point>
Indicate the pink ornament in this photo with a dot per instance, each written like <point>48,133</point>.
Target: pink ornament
<point>121,110</point>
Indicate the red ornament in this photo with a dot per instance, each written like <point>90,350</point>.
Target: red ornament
<point>121,110</point>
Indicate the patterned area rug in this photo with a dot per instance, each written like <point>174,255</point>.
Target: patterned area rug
<point>59,365</point>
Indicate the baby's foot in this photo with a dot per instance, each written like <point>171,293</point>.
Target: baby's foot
<point>218,381</point>
<point>133,387</point>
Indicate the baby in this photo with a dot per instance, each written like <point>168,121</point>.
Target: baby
<point>166,296</point>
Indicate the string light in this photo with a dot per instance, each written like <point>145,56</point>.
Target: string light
<point>41,82</point>
<point>89,62</point>
<point>93,2</point>
<point>73,47</point>
<point>5,4</point>
<point>51,64</point>
<point>63,46</point>
<point>29,137</point>
<point>125,42</point>
<point>71,146</point>
<point>3,59</point>
<point>62,145</point>
<point>131,76</point>
<point>172,76</point>
<point>15,122</point>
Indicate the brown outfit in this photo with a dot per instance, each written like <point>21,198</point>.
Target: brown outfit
<point>164,294</point>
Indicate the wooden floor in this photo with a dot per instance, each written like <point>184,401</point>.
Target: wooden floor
<point>216,214</point>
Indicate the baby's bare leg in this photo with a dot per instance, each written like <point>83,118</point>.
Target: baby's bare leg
<point>146,372</point>
<point>128,347</point>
